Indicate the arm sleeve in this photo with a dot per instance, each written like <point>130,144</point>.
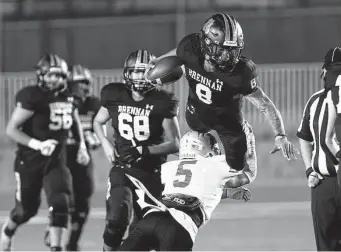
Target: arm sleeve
<point>303,131</point>
<point>25,99</point>
<point>172,108</point>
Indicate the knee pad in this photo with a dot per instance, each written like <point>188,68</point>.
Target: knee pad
<point>58,210</point>
<point>20,216</point>
<point>115,229</point>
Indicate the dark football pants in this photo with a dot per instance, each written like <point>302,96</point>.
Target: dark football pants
<point>158,231</point>
<point>234,142</point>
<point>82,179</point>
<point>121,199</point>
<point>326,212</point>
<point>31,178</point>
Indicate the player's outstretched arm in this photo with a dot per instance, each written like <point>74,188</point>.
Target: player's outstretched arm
<point>172,132</point>
<point>170,53</point>
<point>240,193</point>
<point>264,104</point>
<point>101,119</point>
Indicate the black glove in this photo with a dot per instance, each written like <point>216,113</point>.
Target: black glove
<point>132,155</point>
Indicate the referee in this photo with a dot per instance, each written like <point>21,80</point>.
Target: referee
<point>319,148</point>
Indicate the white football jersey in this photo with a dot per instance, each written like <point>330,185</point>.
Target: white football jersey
<point>203,178</point>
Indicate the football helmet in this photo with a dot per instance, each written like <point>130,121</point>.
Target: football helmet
<point>134,70</point>
<point>80,80</point>
<point>194,144</point>
<point>222,41</point>
<point>332,57</point>
<point>52,73</point>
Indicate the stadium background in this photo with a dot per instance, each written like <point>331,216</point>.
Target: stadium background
<point>286,38</point>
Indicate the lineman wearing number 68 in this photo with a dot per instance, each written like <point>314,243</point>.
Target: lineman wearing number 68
<point>219,77</point>
<point>142,117</point>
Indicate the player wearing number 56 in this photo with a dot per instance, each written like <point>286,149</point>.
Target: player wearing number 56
<point>146,130</point>
<point>219,77</point>
<point>40,122</point>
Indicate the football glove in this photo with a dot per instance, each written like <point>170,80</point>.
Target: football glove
<point>239,193</point>
<point>134,154</point>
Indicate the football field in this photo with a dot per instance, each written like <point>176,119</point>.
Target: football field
<point>276,218</point>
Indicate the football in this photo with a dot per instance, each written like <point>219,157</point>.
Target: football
<point>166,71</point>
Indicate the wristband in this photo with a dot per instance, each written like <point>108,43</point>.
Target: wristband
<point>308,171</point>
<point>34,144</point>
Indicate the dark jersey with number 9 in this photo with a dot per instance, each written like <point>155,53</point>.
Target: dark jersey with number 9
<point>140,121</point>
<point>216,96</point>
<point>52,118</point>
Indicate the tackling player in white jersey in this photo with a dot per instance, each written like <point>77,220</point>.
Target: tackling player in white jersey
<point>194,186</point>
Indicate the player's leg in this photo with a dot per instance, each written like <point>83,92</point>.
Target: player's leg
<point>118,209</point>
<point>324,213</point>
<point>142,237</point>
<point>27,200</point>
<point>57,186</point>
<point>235,147</point>
<point>171,235</point>
<point>83,184</point>
<point>193,121</point>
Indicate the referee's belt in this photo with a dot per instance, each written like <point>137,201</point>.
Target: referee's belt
<point>190,205</point>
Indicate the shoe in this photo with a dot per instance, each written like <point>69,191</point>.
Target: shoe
<point>6,241</point>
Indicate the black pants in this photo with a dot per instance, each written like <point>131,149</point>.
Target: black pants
<point>122,198</point>
<point>82,177</point>
<point>233,140</point>
<point>158,231</point>
<point>326,212</point>
<point>31,177</point>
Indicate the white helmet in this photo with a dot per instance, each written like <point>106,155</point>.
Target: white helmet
<point>194,144</point>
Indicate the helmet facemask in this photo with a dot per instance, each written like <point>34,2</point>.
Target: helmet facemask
<point>222,42</point>
<point>80,81</point>
<point>54,80</point>
<point>52,72</point>
<point>135,78</point>
<point>195,145</point>
<point>134,71</point>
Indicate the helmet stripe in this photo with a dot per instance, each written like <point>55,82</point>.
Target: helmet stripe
<point>336,48</point>
<point>52,60</point>
<point>228,27</point>
<point>138,59</point>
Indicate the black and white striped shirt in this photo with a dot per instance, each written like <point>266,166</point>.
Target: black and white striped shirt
<point>317,126</point>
